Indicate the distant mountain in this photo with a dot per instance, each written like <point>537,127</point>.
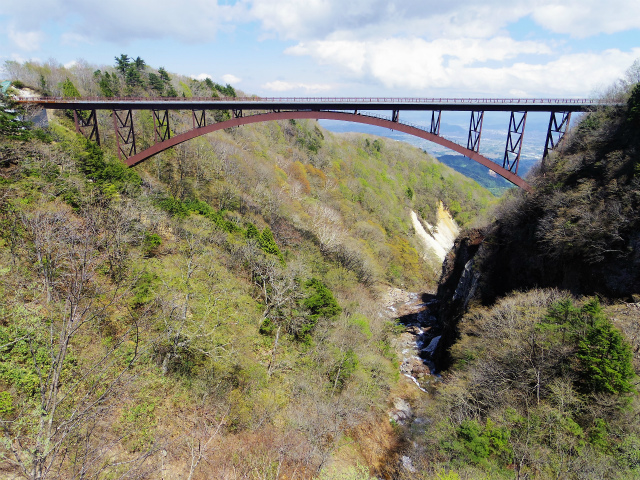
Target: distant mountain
<point>481,174</point>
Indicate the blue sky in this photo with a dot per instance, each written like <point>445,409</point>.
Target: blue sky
<point>544,48</point>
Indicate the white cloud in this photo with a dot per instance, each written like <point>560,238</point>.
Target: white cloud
<point>74,39</point>
<point>231,79</point>
<point>281,86</point>
<point>26,40</point>
<point>202,76</point>
<point>70,64</point>
<point>459,65</point>
<point>122,21</point>
<point>306,20</point>
<point>584,18</point>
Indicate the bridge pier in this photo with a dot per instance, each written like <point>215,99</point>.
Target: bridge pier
<point>556,129</point>
<point>125,135</point>
<point>475,130</point>
<point>514,142</point>
<point>199,118</point>
<point>161,128</point>
<point>90,122</point>
<point>435,122</point>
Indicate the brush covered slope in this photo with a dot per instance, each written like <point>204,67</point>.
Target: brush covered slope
<point>542,323</point>
<point>215,312</point>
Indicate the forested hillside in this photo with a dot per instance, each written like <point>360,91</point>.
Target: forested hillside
<point>216,312</point>
<point>541,322</point>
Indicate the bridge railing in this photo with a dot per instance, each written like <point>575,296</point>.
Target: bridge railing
<point>389,100</point>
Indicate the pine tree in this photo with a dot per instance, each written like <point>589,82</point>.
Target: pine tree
<point>605,358</point>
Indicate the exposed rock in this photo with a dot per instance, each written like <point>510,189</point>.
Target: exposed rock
<point>433,344</point>
<point>407,464</point>
<point>401,412</point>
<point>437,240</point>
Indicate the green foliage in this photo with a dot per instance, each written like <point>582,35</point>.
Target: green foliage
<point>227,90</point>
<point>108,174</point>
<point>10,124</point>
<point>606,360</point>
<point>409,193</point>
<point>268,243</point>
<point>143,290</point>
<point>156,83</point>
<point>107,83</point>
<point>267,327</point>
<point>346,365</point>
<point>633,105</point>
<point>69,89</point>
<point>122,63</point>
<point>138,422</point>
<point>6,404</point>
<point>320,300</point>
<point>150,243</point>
<point>359,472</point>
<point>477,443</point>
<point>252,232</point>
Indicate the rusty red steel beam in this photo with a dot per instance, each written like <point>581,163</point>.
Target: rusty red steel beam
<point>325,115</point>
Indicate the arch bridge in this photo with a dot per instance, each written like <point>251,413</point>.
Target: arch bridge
<point>248,110</point>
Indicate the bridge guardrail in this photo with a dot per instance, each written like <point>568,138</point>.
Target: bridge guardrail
<point>364,100</point>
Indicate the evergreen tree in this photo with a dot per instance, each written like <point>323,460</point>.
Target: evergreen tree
<point>156,83</point>
<point>268,243</point>
<point>10,124</point>
<point>605,358</point>
<point>122,63</point>
<point>252,232</point>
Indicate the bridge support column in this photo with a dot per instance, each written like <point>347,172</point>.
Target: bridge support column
<point>395,116</point>
<point>161,125</point>
<point>125,135</point>
<point>514,142</point>
<point>199,118</point>
<point>556,131</point>
<point>90,122</point>
<point>475,131</point>
<point>435,122</point>
<point>237,113</point>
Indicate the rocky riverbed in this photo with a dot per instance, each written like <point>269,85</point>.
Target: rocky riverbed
<point>415,346</point>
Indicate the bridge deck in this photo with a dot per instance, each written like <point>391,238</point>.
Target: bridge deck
<point>309,103</point>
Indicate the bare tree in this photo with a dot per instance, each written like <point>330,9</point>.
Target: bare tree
<point>56,431</point>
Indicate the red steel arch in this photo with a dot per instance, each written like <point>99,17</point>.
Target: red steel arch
<point>326,115</point>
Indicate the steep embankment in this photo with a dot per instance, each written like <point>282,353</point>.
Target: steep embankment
<point>216,310</point>
<point>542,382</point>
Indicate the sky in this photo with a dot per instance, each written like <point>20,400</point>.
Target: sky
<point>392,48</point>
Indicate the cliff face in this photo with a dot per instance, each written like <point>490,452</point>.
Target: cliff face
<point>579,230</point>
<point>458,284</point>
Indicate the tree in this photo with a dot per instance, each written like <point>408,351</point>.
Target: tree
<point>61,397</point>
<point>11,126</point>
<point>606,360</point>
<point>69,89</point>
<point>634,104</point>
<point>164,75</point>
<point>139,63</point>
<point>122,63</point>
<point>156,83</point>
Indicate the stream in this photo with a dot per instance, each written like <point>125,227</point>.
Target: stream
<point>416,345</point>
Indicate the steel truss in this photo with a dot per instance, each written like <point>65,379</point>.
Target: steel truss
<point>435,122</point>
<point>91,122</point>
<point>199,118</point>
<point>125,135</point>
<point>161,128</point>
<point>556,131</point>
<point>515,136</point>
<point>475,130</point>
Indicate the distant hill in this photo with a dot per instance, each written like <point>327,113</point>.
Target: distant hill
<point>481,174</point>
